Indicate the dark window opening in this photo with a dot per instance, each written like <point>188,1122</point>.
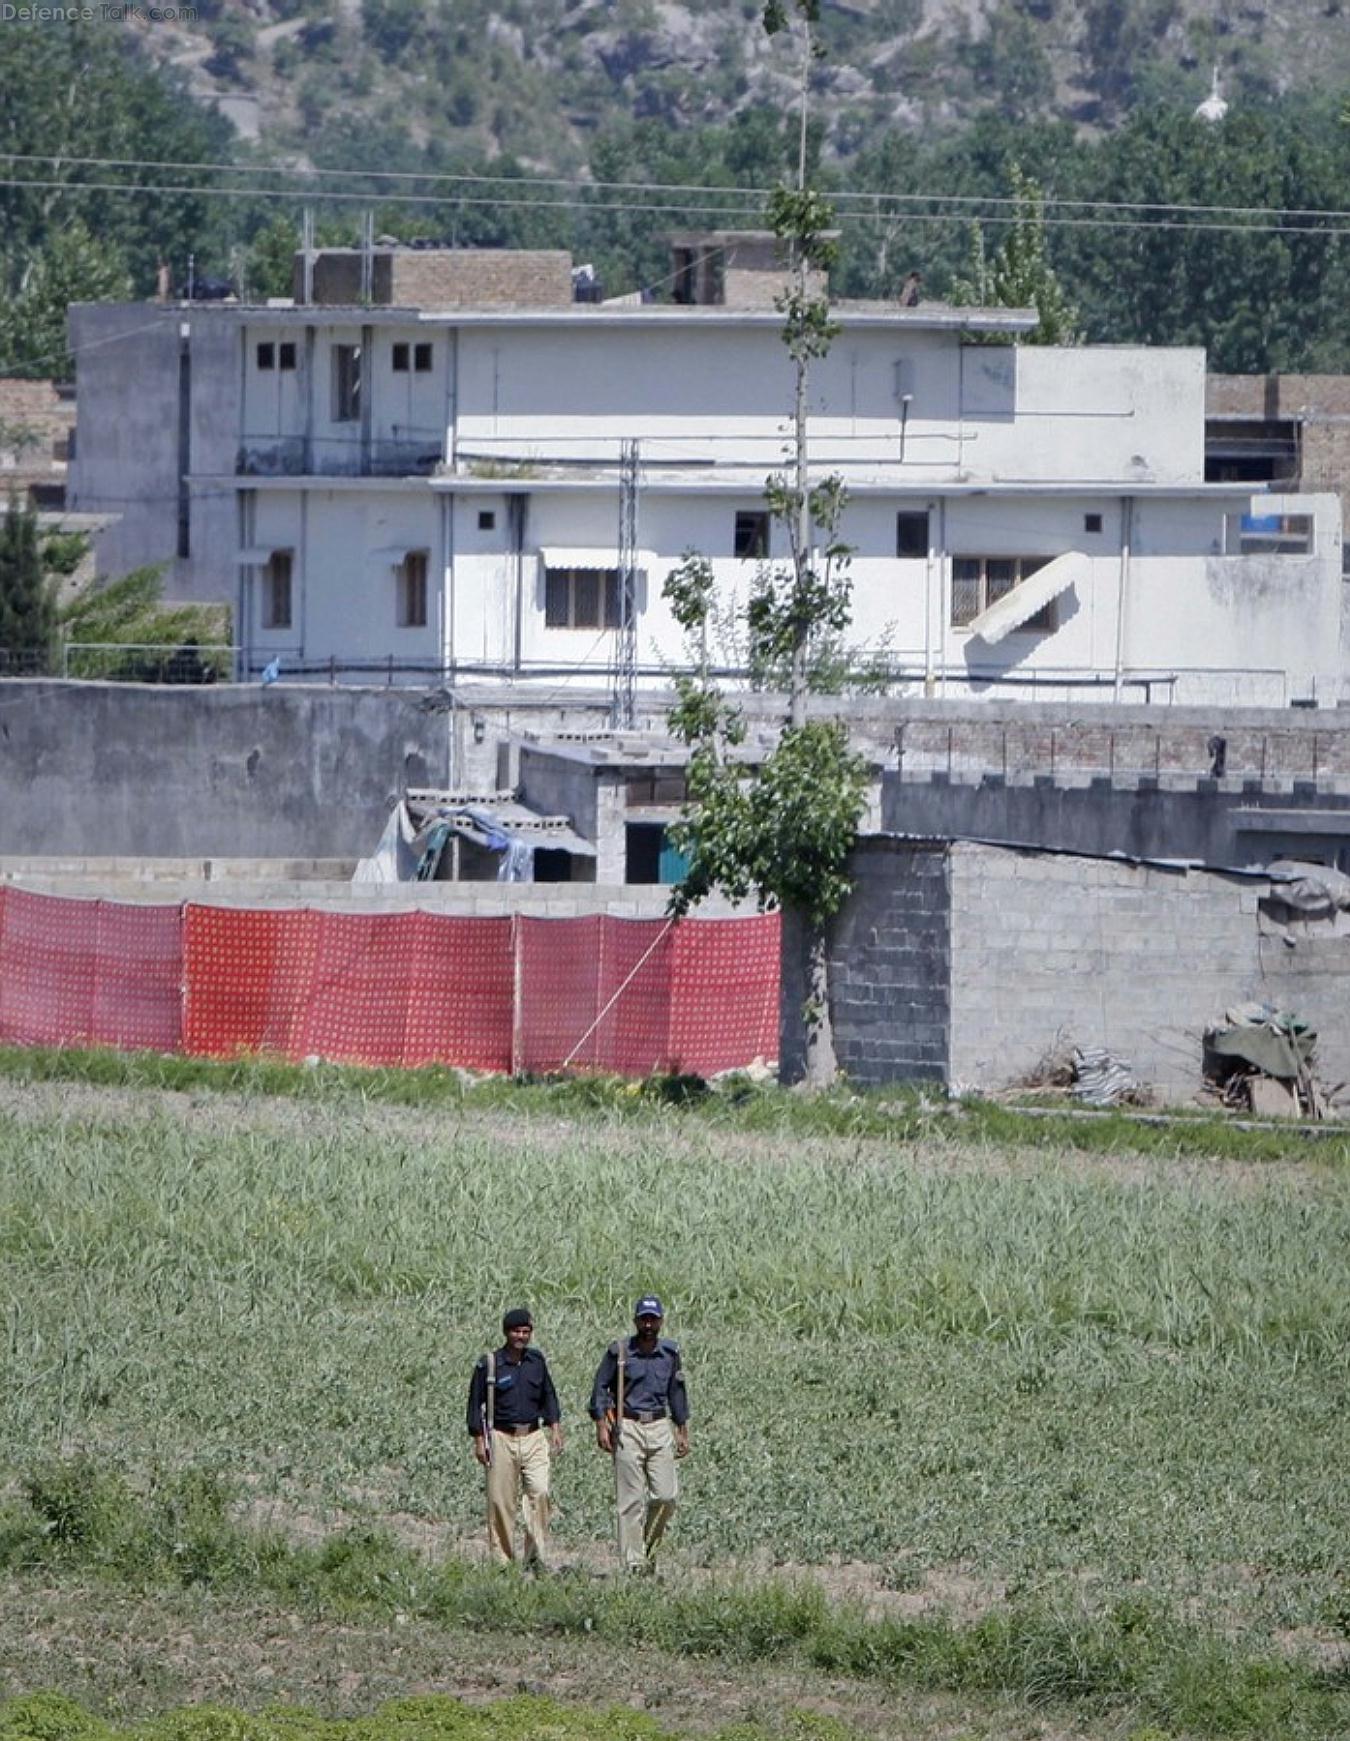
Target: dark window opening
<point>276,597</point>
<point>412,590</point>
<point>267,355</point>
<point>422,359</point>
<point>286,354</point>
<point>575,597</point>
<point>552,865</point>
<point>400,359</point>
<point>487,520</point>
<point>1092,522</point>
<point>911,533</point>
<point>752,535</point>
<point>346,383</point>
<point>1250,450</point>
<point>684,286</point>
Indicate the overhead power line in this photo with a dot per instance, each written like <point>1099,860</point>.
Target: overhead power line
<point>499,202</point>
<point>583,186</point>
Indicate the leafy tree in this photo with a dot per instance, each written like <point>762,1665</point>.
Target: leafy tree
<point>80,91</point>
<point>1019,275</point>
<point>131,633</point>
<point>27,607</point>
<point>74,266</point>
<point>783,830</point>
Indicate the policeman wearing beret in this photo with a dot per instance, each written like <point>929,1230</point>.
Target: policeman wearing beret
<point>641,1413</point>
<point>514,1421</point>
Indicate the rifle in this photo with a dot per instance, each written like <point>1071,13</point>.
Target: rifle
<point>620,1348</point>
<point>486,1414</point>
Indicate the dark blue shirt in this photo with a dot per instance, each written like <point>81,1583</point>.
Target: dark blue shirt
<point>651,1382</point>
<point>522,1392</point>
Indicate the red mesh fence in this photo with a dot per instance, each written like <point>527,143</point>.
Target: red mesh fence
<point>89,973</point>
<point>623,995</point>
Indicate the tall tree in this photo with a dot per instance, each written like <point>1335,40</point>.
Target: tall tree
<point>782,830</point>
<point>1019,273</point>
<point>27,608</point>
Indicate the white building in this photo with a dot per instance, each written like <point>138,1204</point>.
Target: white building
<point>435,488</point>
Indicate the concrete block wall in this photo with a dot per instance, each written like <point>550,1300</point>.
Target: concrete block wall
<point>1050,951</point>
<point>890,964</point>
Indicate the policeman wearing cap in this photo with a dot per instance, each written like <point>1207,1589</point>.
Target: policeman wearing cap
<point>641,1414</point>
<point>514,1420</point>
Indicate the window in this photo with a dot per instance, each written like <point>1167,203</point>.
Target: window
<point>911,533</point>
<point>487,520</point>
<point>267,354</point>
<point>980,581</point>
<point>1092,522</point>
<point>412,590</point>
<point>286,354</point>
<point>276,591</point>
<point>574,598</point>
<point>752,534</point>
<point>400,359</point>
<point>346,383</point>
<point>422,359</point>
<point>1268,535</point>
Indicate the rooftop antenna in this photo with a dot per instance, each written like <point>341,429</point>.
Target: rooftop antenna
<point>622,709</point>
<point>367,256</point>
<point>307,255</point>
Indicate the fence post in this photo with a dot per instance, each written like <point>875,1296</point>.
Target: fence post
<point>517,974</point>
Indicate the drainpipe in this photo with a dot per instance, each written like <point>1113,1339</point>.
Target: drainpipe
<point>944,608</point>
<point>1126,539</point>
<point>517,512</point>
<point>934,557</point>
<point>366,378</point>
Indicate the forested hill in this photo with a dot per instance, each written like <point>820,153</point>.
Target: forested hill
<point>581,124</point>
<point>537,78</point>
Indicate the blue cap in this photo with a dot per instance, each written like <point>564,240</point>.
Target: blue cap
<point>649,1307</point>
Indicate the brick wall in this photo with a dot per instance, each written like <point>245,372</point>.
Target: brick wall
<point>36,421</point>
<point>439,278</point>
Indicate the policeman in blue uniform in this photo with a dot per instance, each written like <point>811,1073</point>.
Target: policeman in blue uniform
<point>641,1413</point>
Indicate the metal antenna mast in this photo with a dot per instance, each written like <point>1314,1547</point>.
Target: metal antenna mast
<point>622,713</point>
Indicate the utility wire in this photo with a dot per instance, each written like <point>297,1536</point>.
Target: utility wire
<point>584,185</point>
<point>459,202</point>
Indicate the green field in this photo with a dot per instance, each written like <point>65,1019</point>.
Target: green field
<point>982,1391</point>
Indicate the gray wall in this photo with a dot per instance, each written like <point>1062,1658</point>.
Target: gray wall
<point>1022,954</point>
<point>119,769</point>
<point>1211,822</point>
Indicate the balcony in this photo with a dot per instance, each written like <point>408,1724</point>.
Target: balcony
<point>416,453</point>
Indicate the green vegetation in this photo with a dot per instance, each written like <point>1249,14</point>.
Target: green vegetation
<point>27,608</point>
<point>49,1717</point>
<point>122,629</point>
<point>1101,1397</point>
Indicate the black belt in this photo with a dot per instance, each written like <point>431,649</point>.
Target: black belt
<point>644,1417</point>
<point>515,1432</point>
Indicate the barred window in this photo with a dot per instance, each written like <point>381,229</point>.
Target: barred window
<point>575,597</point>
<point>981,581</point>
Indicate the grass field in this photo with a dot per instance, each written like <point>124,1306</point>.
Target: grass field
<point>1079,1411</point>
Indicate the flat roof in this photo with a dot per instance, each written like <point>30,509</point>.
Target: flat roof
<point>933,317</point>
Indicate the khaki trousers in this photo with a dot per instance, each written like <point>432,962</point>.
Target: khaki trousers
<point>647,1488</point>
<point>517,1483</point>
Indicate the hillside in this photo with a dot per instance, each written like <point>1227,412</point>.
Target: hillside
<point>369,82</point>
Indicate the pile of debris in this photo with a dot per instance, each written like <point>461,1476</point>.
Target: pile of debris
<point>1259,1059</point>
